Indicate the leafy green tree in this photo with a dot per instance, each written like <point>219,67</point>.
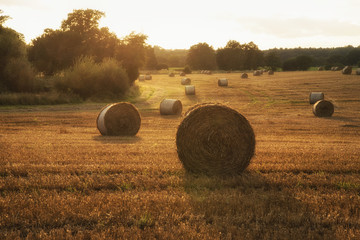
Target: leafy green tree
<point>299,63</point>
<point>353,57</point>
<point>131,52</point>
<point>231,57</point>
<point>151,62</point>
<point>201,56</point>
<point>16,73</point>
<point>272,60</point>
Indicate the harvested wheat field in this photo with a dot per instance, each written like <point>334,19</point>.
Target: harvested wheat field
<point>61,179</point>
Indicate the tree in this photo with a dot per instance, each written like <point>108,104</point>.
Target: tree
<point>272,60</point>
<point>131,52</point>
<point>82,21</point>
<point>16,73</point>
<point>201,56</point>
<point>253,56</point>
<point>299,63</point>
<point>80,35</point>
<point>150,58</point>
<point>353,57</point>
<point>231,57</point>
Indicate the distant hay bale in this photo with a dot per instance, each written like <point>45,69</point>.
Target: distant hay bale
<point>119,119</point>
<point>142,78</point>
<point>323,108</point>
<point>244,75</point>
<point>347,70</point>
<point>315,96</point>
<point>148,77</point>
<point>208,72</point>
<point>214,139</point>
<point>223,82</point>
<point>185,81</point>
<point>358,71</point>
<point>257,73</point>
<point>321,68</point>
<point>270,72</point>
<point>182,74</point>
<point>171,74</point>
<point>170,107</point>
<point>190,90</point>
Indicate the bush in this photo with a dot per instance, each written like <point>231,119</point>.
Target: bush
<point>95,80</point>
<point>19,76</point>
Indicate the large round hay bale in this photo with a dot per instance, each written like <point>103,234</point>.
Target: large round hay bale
<point>148,77</point>
<point>170,107</point>
<point>185,81</point>
<point>244,75</point>
<point>347,70</point>
<point>119,119</point>
<point>214,139</point>
<point>323,108</point>
<point>358,71</point>
<point>223,82</point>
<point>142,78</point>
<point>257,73</point>
<point>315,96</point>
<point>190,90</point>
<point>271,72</point>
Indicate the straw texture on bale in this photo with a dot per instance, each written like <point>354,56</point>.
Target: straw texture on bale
<point>323,108</point>
<point>257,73</point>
<point>190,90</point>
<point>315,96</point>
<point>244,75</point>
<point>347,70</point>
<point>141,78</point>
<point>223,82</point>
<point>170,107</point>
<point>214,139</point>
<point>185,81</point>
<point>119,119</point>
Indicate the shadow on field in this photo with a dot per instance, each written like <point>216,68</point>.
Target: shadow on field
<point>116,139</point>
<point>249,206</point>
<point>343,119</point>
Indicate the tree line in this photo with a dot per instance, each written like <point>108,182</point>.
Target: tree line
<point>87,60</point>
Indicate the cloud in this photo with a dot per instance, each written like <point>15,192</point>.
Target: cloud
<point>299,27</point>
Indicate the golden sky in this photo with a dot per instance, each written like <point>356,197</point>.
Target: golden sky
<point>181,24</point>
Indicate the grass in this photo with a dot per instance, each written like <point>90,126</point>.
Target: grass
<point>60,179</point>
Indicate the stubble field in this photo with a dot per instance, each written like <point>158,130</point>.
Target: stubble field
<point>60,179</point>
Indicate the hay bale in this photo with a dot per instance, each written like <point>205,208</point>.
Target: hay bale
<point>148,77</point>
<point>358,71</point>
<point>190,90</point>
<point>142,78</point>
<point>214,139</point>
<point>119,119</point>
<point>271,72</point>
<point>315,96</point>
<point>185,81</point>
<point>347,70</point>
<point>244,75</point>
<point>170,107</point>
<point>171,74</point>
<point>323,108</point>
<point>256,73</point>
<point>223,82</point>
<point>182,74</point>
<point>321,68</point>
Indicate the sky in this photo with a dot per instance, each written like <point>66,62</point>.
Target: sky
<point>181,24</point>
